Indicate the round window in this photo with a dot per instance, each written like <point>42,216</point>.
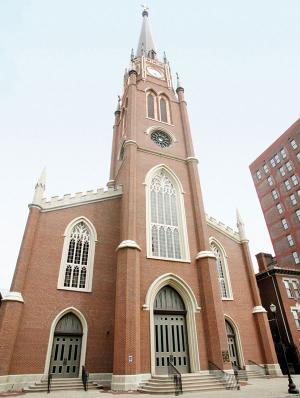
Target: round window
<point>161,138</point>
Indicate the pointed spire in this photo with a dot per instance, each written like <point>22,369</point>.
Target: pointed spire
<point>241,226</point>
<point>179,86</point>
<point>165,58</point>
<point>118,109</point>
<point>146,45</point>
<point>40,188</point>
<point>132,55</point>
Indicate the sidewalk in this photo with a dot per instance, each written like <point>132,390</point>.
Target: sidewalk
<point>256,388</point>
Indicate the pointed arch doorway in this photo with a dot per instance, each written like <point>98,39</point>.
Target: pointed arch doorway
<point>170,332</point>
<point>232,345</point>
<point>66,348</point>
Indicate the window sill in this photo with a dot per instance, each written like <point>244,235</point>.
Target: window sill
<point>227,298</point>
<point>160,121</point>
<point>178,260</point>
<point>74,289</point>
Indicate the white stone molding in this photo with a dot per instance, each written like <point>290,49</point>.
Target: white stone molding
<point>238,340</point>
<point>79,198</point>
<point>83,321</point>
<point>183,235</point>
<point>224,229</point>
<point>91,255</point>
<point>192,307</point>
<point>128,382</point>
<point>128,243</point>
<point>13,296</point>
<point>218,244</point>
<point>129,142</point>
<point>258,309</point>
<point>192,159</point>
<point>205,254</point>
<point>162,128</point>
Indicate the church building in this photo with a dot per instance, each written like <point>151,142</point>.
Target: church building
<point>121,279</point>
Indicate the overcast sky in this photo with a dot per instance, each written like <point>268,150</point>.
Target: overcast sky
<point>61,69</point>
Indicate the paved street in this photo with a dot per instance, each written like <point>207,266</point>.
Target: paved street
<point>256,388</point>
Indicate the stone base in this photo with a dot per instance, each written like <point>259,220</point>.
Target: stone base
<point>272,368</point>
<point>128,382</point>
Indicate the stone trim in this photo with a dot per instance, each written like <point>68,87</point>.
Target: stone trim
<point>128,382</point>
<point>258,309</point>
<point>13,296</point>
<point>128,243</point>
<point>192,159</point>
<point>205,254</point>
<point>221,227</point>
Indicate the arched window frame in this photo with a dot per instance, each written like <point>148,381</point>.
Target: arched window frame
<point>151,93</point>
<point>215,243</point>
<point>183,236</point>
<point>164,97</point>
<point>91,254</point>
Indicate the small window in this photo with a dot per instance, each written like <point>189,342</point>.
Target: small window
<point>298,214</point>
<point>298,156</point>
<point>293,199</point>
<point>287,184</point>
<point>288,288</point>
<point>282,171</point>
<point>163,110</point>
<point>275,194</point>
<point>258,174</point>
<point>277,158</point>
<point>298,193</point>
<point>296,289</point>
<point>266,168</point>
<point>272,161</point>
<point>283,153</point>
<point>284,223</point>
<point>296,317</point>
<point>293,144</point>
<point>294,179</point>
<point>290,240</point>
<point>279,208</point>
<point>270,181</point>
<point>150,106</point>
<point>289,166</point>
<point>296,257</point>
<point>222,271</point>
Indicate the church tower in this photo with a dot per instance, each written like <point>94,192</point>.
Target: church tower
<point>125,278</point>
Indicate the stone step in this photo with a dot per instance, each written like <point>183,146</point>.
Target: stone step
<point>60,385</point>
<point>187,389</point>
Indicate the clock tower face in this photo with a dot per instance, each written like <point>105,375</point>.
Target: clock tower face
<point>155,73</point>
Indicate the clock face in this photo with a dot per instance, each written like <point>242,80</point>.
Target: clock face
<point>161,138</point>
<point>154,72</point>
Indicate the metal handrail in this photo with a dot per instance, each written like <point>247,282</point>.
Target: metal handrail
<point>231,381</point>
<point>176,375</point>
<point>260,367</point>
<point>85,378</point>
<point>49,382</point>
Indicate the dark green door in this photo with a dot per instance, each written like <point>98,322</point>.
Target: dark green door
<point>66,349</point>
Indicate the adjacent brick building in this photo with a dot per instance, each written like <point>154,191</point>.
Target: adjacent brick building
<point>120,279</point>
<point>276,175</point>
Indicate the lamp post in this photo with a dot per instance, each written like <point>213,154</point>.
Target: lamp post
<point>292,386</point>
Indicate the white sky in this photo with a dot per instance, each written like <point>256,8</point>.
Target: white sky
<point>61,69</point>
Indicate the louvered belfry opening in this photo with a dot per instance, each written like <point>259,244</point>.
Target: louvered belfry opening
<point>170,331</point>
<point>66,349</point>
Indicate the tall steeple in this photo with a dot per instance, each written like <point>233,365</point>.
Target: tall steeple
<point>146,45</point>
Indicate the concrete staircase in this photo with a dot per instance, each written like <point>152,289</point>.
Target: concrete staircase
<point>190,382</point>
<point>61,385</point>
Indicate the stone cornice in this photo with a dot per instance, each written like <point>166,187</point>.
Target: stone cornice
<point>277,271</point>
<point>224,229</point>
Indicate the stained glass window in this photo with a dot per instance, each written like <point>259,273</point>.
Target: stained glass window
<point>221,271</point>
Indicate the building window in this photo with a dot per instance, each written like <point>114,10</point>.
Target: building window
<point>283,153</point>
<point>298,214</point>
<point>293,144</point>
<point>298,193</point>
<point>275,194</point>
<point>282,171</point>
<point>77,258</point>
<point>151,106</point>
<point>290,240</point>
<point>266,168</point>
<point>284,223</point>
<point>294,179</point>
<point>277,158</point>
<point>296,289</point>
<point>167,224</point>
<point>287,185</point>
<point>296,257</point>
<point>296,317</point>
<point>279,208</point>
<point>289,166</point>
<point>164,110</point>
<point>272,161</point>
<point>298,156</point>
<point>288,287</point>
<point>258,175</point>
<point>270,181</point>
<point>293,199</point>
<point>222,271</point>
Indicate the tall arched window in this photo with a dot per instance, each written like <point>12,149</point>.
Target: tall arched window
<point>222,271</point>
<point>151,106</point>
<point>78,257</point>
<point>167,237</point>
<point>163,106</point>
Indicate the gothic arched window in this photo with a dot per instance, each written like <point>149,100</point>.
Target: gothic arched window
<point>167,237</point>
<point>164,111</point>
<point>151,106</point>
<point>222,269</point>
<point>78,257</point>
